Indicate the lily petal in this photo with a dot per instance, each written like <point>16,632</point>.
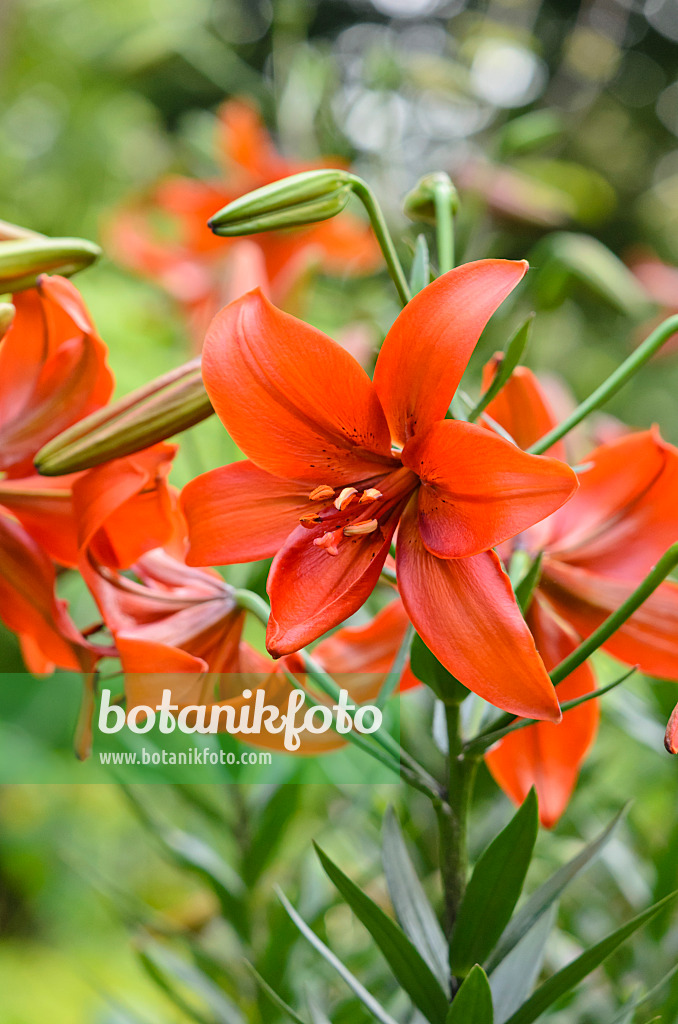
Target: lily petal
<point>522,407</point>
<point>635,472</point>
<point>294,401</point>
<point>125,507</point>
<point>312,591</point>
<point>426,351</point>
<point>548,756</point>
<point>239,513</point>
<point>465,611</point>
<point>648,639</point>
<point>479,489</point>
<point>44,506</point>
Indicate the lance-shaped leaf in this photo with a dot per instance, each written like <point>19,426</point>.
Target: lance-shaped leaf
<point>507,363</point>
<point>540,901</point>
<point>426,667</point>
<point>290,202</point>
<point>412,907</point>
<point>410,969</point>
<point>368,1000</point>
<point>473,1002</point>
<point>22,260</point>
<point>277,1000</point>
<point>165,406</point>
<point>569,977</point>
<point>420,275</point>
<point>493,890</point>
<point>514,979</point>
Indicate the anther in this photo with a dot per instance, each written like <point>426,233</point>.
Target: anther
<point>371,494</point>
<point>344,498</point>
<point>310,519</point>
<point>321,493</point>
<point>358,529</point>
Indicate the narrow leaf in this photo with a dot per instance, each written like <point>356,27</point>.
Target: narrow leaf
<point>548,893</point>
<point>414,911</point>
<point>420,275</point>
<point>269,831</point>
<point>525,589</point>
<point>512,356</point>
<point>277,1000</point>
<point>428,670</point>
<point>570,976</point>
<point>174,967</point>
<point>363,995</point>
<point>493,890</point>
<point>473,1002</point>
<point>410,969</point>
<point>514,979</point>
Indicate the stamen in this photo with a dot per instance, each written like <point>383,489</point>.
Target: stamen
<point>329,541</point>
<point>310,519</point>
<point>321,493</point>
<point>371,494</point>
<point>344,498</point>
<point>358,529</point>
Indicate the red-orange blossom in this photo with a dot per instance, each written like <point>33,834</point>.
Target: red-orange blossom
<point>336,462</point>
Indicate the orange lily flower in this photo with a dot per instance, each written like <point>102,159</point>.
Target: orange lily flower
<point>201,271</point>
<point>337,461</point>
<point>29,607</point>
<point>53,372</point>
<point>595,551</point>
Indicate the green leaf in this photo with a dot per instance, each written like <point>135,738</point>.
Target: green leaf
<point>277,1000</point>
<point>420,275</point>
<point>512,356</point>
<point>363,995</point>
<point>165,964</point>
<point>473,1002</point>
<point>525,588</point>
<point>412,908</point>
<point>428,670</point>
<point>628,1012</point>
<point>514,979</point>
<point>410,969</point>
<point>570,976</point>
<point>493,890</point>
<point>191,852</point>
<point>548,893</point>
<point>269,830</point>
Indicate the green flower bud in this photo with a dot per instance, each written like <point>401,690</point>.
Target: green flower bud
<point>22,260</point>
<point>291,202</point>
<point>165,406</point>
<point>420,202</point>
<point>6,317</point>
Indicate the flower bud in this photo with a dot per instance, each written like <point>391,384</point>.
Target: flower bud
<point>22,260</point>
<point>6,317</point>
<point>671,736</point>
<point>420,203</point>
<point>165,406</point>
<point>291,202</point>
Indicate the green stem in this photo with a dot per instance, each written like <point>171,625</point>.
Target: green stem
<point>609,387</point>
<point>453,814</point>
<point>509,723</point>
<point>442,193</point>
<point>379,226</point>
<point>612,623</point>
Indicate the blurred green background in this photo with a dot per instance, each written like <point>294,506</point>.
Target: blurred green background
<point>551,117</point>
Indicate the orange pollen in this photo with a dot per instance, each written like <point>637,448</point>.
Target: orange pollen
<point>310,519</point>
<point>371,494</point>
<point>329,541</point>
<point>358,529</point>
<point>321,493</point>
<point>344,498</point>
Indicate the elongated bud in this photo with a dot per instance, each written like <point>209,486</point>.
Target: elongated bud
<point>22,260</point>
<point>420,203</point>
<point>291,202</point>
<point>671,736</point>
<point>6,317</point>
<point>165,406</point>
